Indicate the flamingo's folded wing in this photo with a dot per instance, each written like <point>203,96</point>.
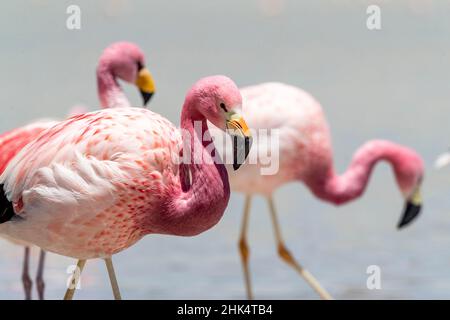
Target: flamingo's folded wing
<point>70,166</point>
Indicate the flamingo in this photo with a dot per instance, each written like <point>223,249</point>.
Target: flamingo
<point>305,155</point>
<point>121,60</point>
<point>93,185</point>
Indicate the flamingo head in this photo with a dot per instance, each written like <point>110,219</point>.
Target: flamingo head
<point>220,102</point>
<point>409,178</point>
<point>126,61</point>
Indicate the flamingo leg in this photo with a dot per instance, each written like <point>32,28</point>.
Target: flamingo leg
<point>286,256</point>
<point>243,247</point>
<point>40,284</point>
<point>113,279</point>
<point>26,279</point>
<point>75,278</point>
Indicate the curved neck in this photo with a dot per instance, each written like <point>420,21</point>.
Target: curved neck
<point>340,189</point>
<point>110,93</point>
<point>199,200</point>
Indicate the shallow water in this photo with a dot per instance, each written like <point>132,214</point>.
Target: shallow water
<point>393,83</point>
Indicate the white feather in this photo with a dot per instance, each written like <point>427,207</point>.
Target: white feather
<point>442,161</point>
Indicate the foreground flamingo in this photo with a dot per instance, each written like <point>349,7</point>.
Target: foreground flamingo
<point>121,60</point>
<point>95,184</point>
<point>305,155</point>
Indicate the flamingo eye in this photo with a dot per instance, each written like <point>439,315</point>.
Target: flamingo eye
<point>140,66</point>
<point>222,105</point>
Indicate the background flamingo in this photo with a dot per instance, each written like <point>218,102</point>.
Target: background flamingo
<point>305,155</point>
<point>121,60</point>
<point>83,191</point>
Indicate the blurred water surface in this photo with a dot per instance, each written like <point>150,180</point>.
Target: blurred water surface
<point>393,83</point>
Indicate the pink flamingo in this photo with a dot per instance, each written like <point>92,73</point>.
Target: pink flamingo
<point>95,184</point>
<point>123,60</point>
<point>305,155</point>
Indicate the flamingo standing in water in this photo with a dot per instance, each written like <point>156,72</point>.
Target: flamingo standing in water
<point>121,60</point>
<point>305,155</point>
<point>93,185</point>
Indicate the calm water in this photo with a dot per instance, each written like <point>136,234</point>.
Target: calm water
<point>393,84</point>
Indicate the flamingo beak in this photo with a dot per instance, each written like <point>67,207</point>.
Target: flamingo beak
<point>145,84</point>
<point>241,136</point>
<point>412,208</point>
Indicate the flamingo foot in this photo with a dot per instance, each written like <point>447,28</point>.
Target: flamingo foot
<point>287,257</point>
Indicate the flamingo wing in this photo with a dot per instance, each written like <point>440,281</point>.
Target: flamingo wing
<point>13,141</point>
<point>75,166</point>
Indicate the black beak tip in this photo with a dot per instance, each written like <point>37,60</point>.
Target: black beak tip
<point>240,144</point>
<point>410,213</point>
<point>248,145</point>
<point>146,96</point>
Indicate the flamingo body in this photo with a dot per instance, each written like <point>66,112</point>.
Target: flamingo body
<point>291,132</point>
<point>304,139</point>
<point>95,184</point>
<point>305,149</point>
<point>92,198</point>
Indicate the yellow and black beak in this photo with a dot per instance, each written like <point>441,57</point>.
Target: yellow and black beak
<point>412,208</point>
<point>145,84</point>
<point>241,136</point>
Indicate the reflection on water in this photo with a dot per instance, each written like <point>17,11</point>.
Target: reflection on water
<point>393,84</point>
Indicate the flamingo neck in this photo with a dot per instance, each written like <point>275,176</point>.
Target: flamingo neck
<point>340,189</point>
<point>200,199</point>
<point>110,93</point>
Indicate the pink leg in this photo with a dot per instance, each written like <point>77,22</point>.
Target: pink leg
<point>40,284</point>
<point>26,280</point>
